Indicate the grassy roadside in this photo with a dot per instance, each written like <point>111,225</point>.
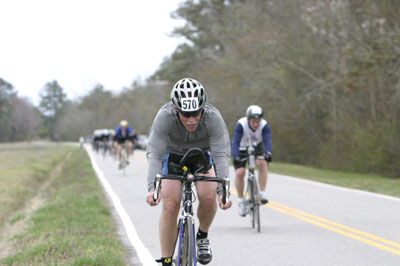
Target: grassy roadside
<point>72,224</point>
<point>23,169</point>
<point>372,183</point>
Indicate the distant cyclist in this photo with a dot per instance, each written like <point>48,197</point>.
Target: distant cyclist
<point>96,139</point>
<point>251,129</point>
<point>105,138</point>
<point>185,122</point>
<point>124,135</point>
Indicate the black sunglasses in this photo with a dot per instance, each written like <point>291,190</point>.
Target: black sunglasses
<point>189,114</point>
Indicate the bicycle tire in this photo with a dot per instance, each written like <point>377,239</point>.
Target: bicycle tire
<point>186,255</point>
<point>191,242</point>
<point>256,218</point>
<point>256,206</point>
<point>252,203</point>
<point>122,162</point>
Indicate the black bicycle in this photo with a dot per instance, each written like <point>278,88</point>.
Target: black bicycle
<point>193,163</point>
<point>252,194</point>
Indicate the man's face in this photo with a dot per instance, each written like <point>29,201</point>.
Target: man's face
<point>254,123</point>
<point>190,123</point>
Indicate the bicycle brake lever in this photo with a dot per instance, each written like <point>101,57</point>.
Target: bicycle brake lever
<point>226,192</point>
<point>157,184</point>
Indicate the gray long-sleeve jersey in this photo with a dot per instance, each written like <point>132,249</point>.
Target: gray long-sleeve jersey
<point>168,134</point>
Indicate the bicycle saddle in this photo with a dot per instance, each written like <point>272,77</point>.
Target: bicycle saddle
<point>196,161</point>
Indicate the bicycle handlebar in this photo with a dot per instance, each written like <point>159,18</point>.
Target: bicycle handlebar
<point>193,178</point>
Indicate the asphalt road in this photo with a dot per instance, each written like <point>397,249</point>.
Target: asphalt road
<point>305,223</point>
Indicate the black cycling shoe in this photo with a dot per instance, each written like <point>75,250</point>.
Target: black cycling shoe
<point>204,254</point>
<point>264,201</point>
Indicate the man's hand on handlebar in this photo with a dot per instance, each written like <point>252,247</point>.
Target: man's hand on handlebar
<point>150,199</point>
<point>268,156</point>
<point>223,206</point>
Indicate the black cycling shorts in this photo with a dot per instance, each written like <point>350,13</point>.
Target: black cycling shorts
<point>243,154</point>
<point>122,140</point>
<point>168,168</point>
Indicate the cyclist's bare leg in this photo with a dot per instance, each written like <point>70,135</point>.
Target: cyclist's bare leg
<point>262,173</point>
<point>239,181</point>
<point>207,193</point>
<point>119,149</point>
<point>128,146</point>
<point>171,198</point>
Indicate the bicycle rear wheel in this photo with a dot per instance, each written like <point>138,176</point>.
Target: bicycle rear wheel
<point>186,246</point>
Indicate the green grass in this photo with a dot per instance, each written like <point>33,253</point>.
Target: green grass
<point>372,183</point>
<point>17,217</point>
<point>74,225</point>
<point>23,169</point>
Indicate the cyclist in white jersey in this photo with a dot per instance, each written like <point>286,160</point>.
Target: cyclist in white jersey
<point>185,122</point>
<point>251,129</point>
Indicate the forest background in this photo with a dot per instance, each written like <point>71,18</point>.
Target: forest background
<point>326,73</point>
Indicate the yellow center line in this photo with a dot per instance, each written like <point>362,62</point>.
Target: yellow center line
<point>335,227</point>
<point>139,158</point>
<point>374,237</point>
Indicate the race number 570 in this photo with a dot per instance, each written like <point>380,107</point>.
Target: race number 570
<point>190,104</point>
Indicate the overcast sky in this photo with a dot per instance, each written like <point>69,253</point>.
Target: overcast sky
<point>81,43</point>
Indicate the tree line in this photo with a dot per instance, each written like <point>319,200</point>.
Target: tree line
<point>324,71</point>
<point>19,119</point>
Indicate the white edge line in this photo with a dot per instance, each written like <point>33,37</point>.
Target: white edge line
<point>143,253</point>
<point>336,187</point>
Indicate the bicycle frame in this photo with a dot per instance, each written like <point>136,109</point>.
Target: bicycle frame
<point>252,195</point>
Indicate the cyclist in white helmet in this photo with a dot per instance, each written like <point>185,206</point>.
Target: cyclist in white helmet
<point>255,129</point>
<point>185,122</point>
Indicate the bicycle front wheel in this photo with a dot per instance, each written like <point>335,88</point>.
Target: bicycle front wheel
<point>256,216</point>
<point>186,249</point>
<point>255,205</point>
<point>251,202</point>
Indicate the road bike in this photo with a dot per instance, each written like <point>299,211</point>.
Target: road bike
<point>252,192</point>
<point>124,159</point>
<point>194,161</point>
<point>104,147</point>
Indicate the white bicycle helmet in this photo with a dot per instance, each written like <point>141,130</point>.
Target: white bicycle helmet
<point>254,111</point>
<point>188,95</point>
